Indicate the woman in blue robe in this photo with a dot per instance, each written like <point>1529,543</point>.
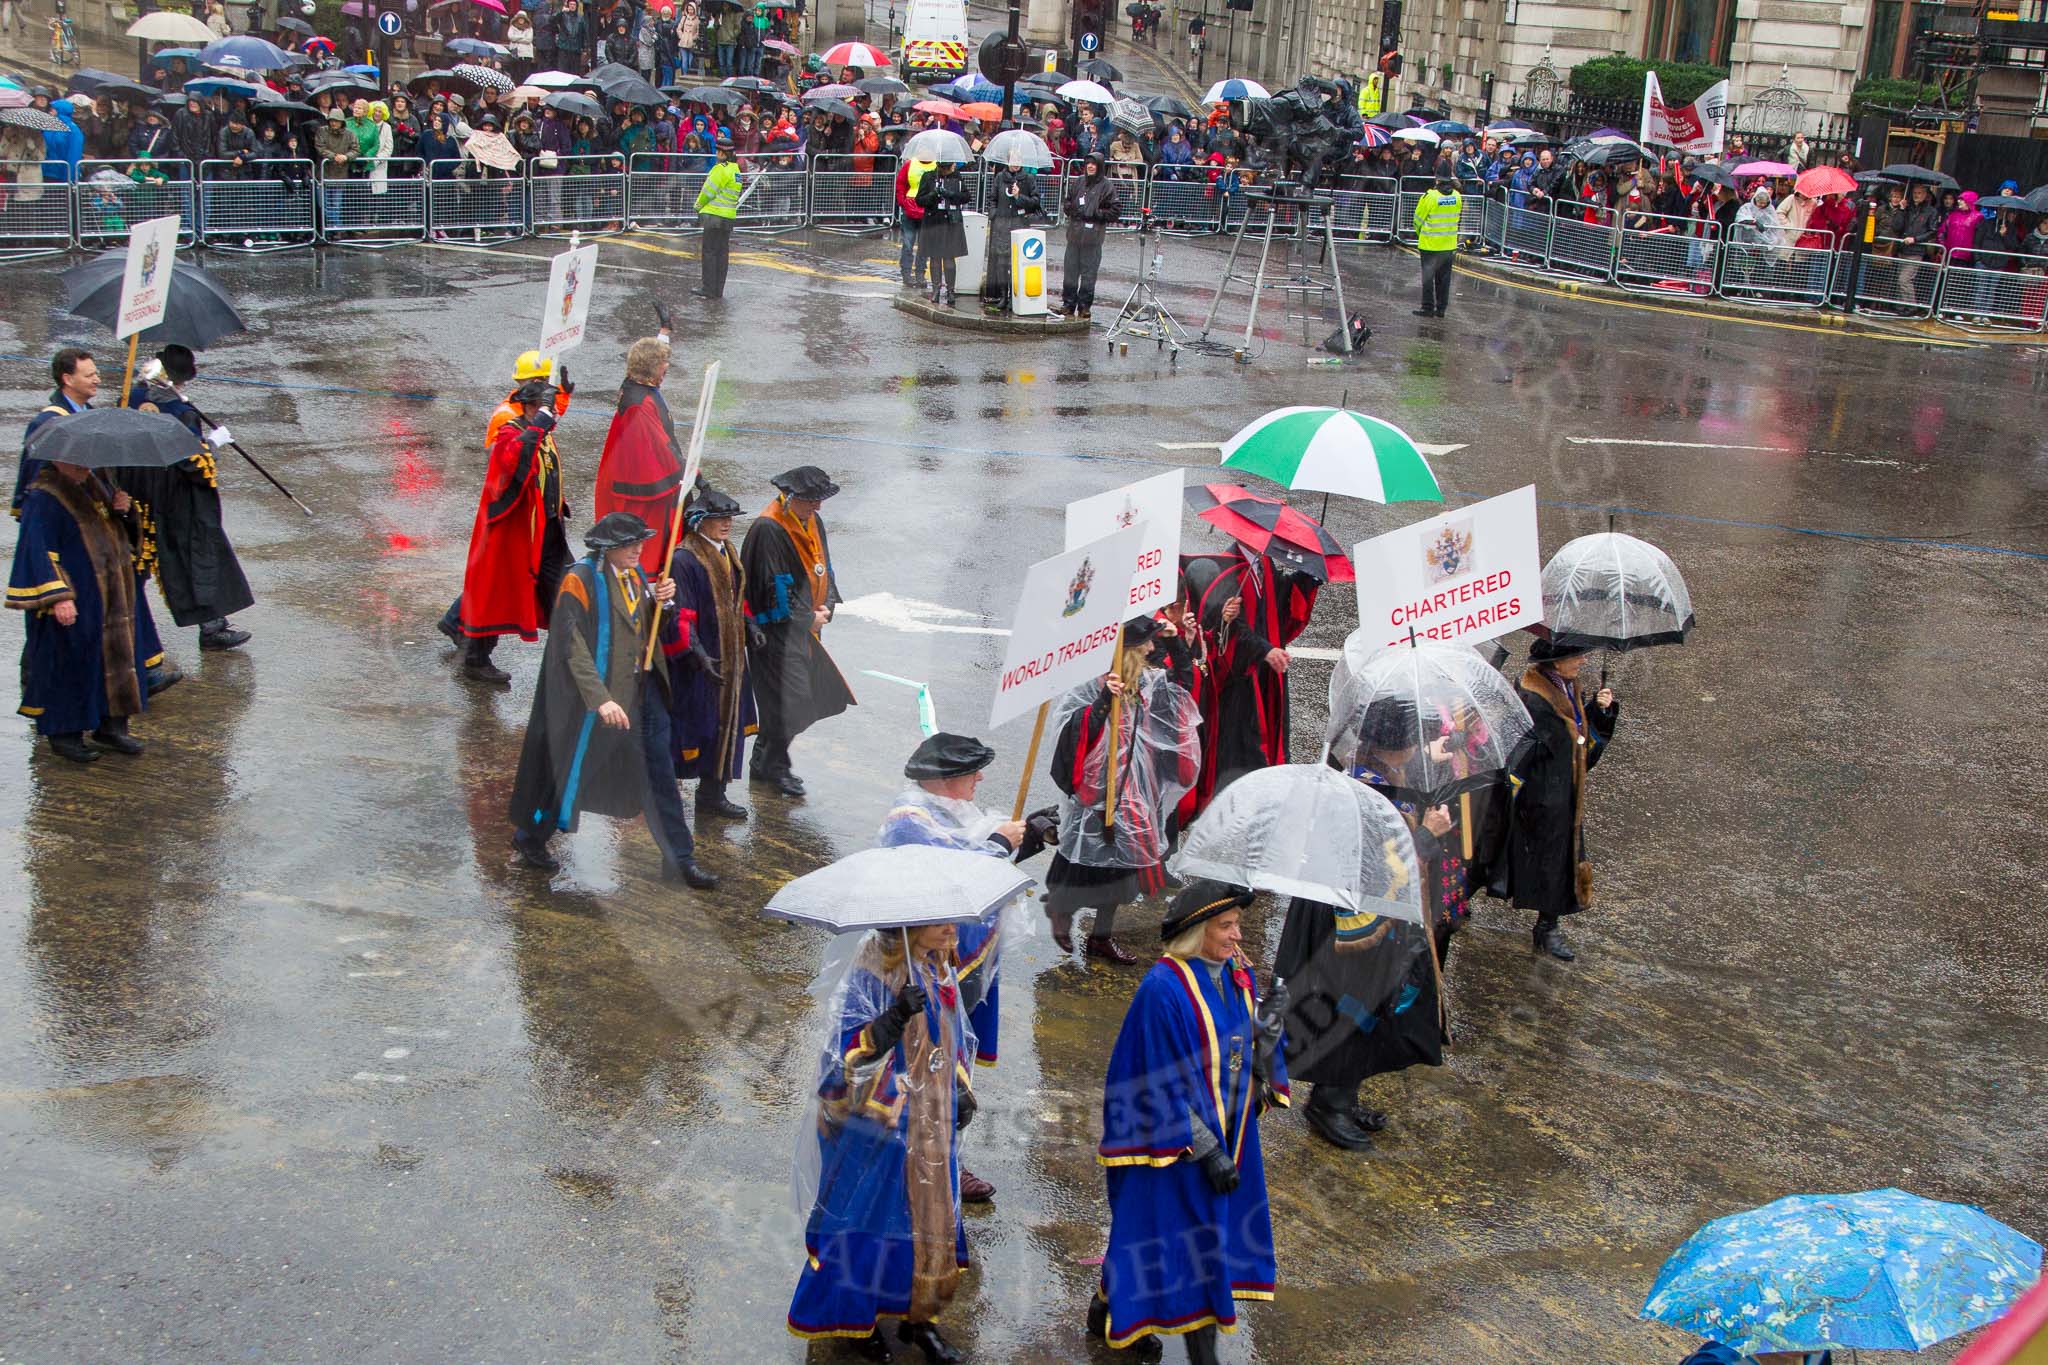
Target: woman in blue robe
<point>1195,1064</point>
<point>878,1170</point>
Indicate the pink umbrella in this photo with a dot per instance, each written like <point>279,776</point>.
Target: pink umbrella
<point>11,98</point>
<point>777,45</point>
<point>1763,168</point>
<point>832,92</point>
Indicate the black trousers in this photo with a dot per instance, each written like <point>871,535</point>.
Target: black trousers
<point>1077,276</point>
<point>717,252</point>
<point>555,560</point>
<point>661,800</point>
<point>1436,280</point>
<point>771,753</point>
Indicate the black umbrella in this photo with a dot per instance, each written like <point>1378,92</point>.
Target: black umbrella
<point>1171,106</point>
<point>1604,155</point>
<point>2037,200</point>
<point>280,105</point>
<point>582,106</point>
<point>1869,179</point>
<point>746,83</point>
<point>712,94</point>
<point>199,312</point>
<point>840,107</point>
<point>420,82</point>
<point>298,26</point>
<point>882,85</point>
<point>90,81</point>
<point>1905,171</point>
<point>324,82</point>
<point>1713,173</point>
<point>624,83</point>
<point>1392,122</point>
<point>115,438</point>
<point>1096,69</point>
<point>2008,201</point>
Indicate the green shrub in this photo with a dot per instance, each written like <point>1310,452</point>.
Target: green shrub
<point>1621,78</point>
<point>1887,92</point>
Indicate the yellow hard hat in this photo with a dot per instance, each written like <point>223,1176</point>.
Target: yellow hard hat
<point>531,366</point>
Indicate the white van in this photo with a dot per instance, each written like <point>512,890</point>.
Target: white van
<point>935,40</point>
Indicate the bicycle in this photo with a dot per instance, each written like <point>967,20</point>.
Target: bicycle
<point>63,42</point>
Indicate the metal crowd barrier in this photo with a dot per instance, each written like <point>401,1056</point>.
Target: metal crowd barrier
<point>1413,187</point>
<point>1667,256</point>
<point>1904,286</point>
<point>1187,204</point>
<point>109,200</point>
<point>463,204</point>
<point>263,206</point>
<point>1519,236</point>
<point>843,196</point>
<point>1783,275</point>
<point>661,196</point>
<point>367,213</point>
<point>2006,300</point>
<point>590,202</point>
<point>35,218</point>
<point>778,194</point>
<point>1580,248</point>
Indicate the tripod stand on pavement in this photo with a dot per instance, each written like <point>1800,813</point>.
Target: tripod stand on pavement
<point>1301,220</point>
<point>1143,315</point>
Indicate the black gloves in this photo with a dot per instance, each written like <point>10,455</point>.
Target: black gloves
<point>541,419</point>
<point>756,637</point>
<point>964,1107</point>
<point>1220,1170</point>
<point>661,315</point>
<point>1041,827</point>
<point>887,1031</point>
<point>1267,1029</point>
<point>562,380</point>
<point>705,661</point>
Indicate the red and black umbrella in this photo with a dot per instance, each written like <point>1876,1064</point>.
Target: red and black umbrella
<point>1291,539</point>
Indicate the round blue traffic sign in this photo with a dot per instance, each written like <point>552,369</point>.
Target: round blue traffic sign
<point>1090,41</point>
<point>390,24</point>
<point>1034,247</point>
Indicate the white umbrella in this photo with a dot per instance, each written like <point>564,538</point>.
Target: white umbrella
<point>1418,135</point>
<point>1236,88</point>
<point>1458,715</point>
<point>938,144</point>
<point>168,26</point>
<point>1612,591</point>
<point>1087,91</point>
<point>554,80</point>
<point>1030,149</point>
<point>894,888</point>
<point>1304,829</point>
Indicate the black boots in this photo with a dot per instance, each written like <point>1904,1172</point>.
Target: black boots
<point>74,748</point>
<point>1547,939</point>
<point>218,634</point>
<point>1145,1348</point>
<point>533,851</point>
<point>925,1336</point>
<point>713,801</point>
<point>477,665</point>
<point>1202,1346</point>
<point>113,734</point>
<point>1330,1112</point>
<point>873,1346</point>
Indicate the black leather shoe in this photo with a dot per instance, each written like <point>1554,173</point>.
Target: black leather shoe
<point>484,671</point>
<point>164,677</point>
<point>789,784</point>
<point>925,1337</point>
<point>74,748</point>
<point>720,805</point>
<point>449,629</point>
<point>1339,1129</point>
<point>1423,312</point>
<point>689,874</point>
<point>118,739</point>
<point>873,1346</point>
<point>1552,942</point>
<point>227,637</point>
<point>1201,1344</point>
<point>1372,1120</point>
<point>536,855</point>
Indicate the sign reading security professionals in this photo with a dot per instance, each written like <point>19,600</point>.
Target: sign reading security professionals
<point>146,282</point>
<point>1067,620</point>
<point>1468,575</point>
<point>1154,504</point>
<point>568,304</point>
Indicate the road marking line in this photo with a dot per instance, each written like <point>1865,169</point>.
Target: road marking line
<point>397,1054</point>
<point>398,1031</point>
<point>915,617</point>
<point>748,258</point>
<point>388,1078</point>
<point>1423,446</point>
<point>1674,445</point>
<point>358,976</point>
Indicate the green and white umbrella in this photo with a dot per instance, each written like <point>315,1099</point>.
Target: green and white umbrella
<point>1334,450</point>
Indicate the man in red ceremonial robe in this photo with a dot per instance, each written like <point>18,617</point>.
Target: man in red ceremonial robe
<point>641,470</point>
<point>1250,610</point>
<point>517,549</point>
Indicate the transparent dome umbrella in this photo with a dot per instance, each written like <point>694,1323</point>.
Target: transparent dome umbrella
<point>1448,709</point>
<point>1304,829</point>
<point>892,888</point>
<point>1612,591</point>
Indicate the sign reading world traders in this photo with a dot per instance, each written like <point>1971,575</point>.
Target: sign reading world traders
<point>1154,504</point>
<point>1068,617</point>
<point>1468,575</point>
<point>568,304</point>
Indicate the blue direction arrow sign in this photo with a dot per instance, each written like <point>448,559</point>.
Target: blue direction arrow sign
<point>390,23</point>
<point>1090,41</point>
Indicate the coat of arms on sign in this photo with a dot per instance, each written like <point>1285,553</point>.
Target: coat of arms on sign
<point>1449,553</point>
<point>1077,591</point>
<point>570,279</point>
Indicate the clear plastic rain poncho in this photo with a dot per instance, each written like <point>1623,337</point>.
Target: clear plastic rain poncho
<point>1612,591</point>
<point>1304,829</point>
<point>1158,757</point>
<point>876,1160</point>
<point>1456,712</point>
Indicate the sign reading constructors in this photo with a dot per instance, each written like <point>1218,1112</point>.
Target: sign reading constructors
<point>568,305</point>
<point>146,281</point>
<point>1154,504</point>
<point>1468,575</point>
<point>1068,617</point>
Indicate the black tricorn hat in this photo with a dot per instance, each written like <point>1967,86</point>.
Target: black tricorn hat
<point>1200,902</point>
<point>616,530</point>
<point>709,502</point>
<point>948,755</point>
<point>806,481</point>
<point>1545,650</point>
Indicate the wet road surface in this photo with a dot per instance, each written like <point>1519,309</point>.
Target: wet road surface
<point>296,1064</point>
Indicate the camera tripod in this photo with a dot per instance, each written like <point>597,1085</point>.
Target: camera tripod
<point>1290,211</point>
<point>1143,315</point>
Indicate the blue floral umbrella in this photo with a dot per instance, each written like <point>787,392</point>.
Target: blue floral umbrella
<point>1879,1271</point>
